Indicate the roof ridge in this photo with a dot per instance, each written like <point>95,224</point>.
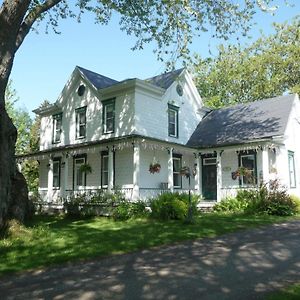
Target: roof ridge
<point>257,101</point>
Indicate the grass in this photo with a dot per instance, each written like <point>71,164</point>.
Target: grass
<point>46,241</point>
<point>290,293</point>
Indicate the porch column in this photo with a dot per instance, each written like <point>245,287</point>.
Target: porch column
<point>219,175</point>
<point>136,172</point>
<point>65,179</point>
<point>50,180</point>
<point>170,170</point>
<point>198,177</point>
<point>110,169</point>
<point>265,176</point>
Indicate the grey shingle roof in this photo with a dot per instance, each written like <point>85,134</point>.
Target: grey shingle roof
<point>165,80</point>
<point>97,80</point>
<point>243,123</point>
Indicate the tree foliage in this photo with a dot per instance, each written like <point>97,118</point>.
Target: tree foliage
<point>269,67</point>
<point>21,119</point>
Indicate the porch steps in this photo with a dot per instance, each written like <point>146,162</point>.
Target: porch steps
<point>206,206</point>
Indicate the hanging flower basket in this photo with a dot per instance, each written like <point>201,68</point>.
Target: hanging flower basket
<point>241,171</point>
<point>85,168</point>
<point>154,168</point>
<point>185,171</point>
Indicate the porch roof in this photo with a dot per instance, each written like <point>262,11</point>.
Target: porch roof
<point>129,138</point>
<point>243,123</point>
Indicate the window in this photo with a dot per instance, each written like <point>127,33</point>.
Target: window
<point>81,122</point>
<point>79,175</point>
<point>108,116</point>
<point>57,128</point>
<point>56,173</point>
<point>292,172</point>
<point>104,169</point>
<point>173,120</point>
<point>176,171</point>
<point>248,162</point>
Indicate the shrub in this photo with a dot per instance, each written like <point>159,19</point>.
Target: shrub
<point>173,206</point>
<point>127,210</point>
<point>273,200</point>
<point>93,204</point>
<point>296,201</point>
<point>231,205</point>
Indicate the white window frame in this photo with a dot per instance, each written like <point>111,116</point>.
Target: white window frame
<point>104,173</point>
<point>106,104</point>
<point>177,173</point>
<point>58,174</point>
<point>173,110</point>
<point>80,111</point>
<point>253,171</point>
<point>76,169</point>
<point>57,130</point>
<point>292,170</point>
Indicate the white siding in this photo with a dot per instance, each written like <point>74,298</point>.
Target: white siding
<point>70,101</point>
<point>151,112</point>
<point>292,143</point>
<point>124,168</point>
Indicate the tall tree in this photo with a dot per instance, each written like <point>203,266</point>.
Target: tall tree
<point>168,23</point>
<point>20,118</point>
<point>268,67</point>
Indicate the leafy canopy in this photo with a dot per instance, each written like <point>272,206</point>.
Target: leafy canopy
<point>171,24</point>
<point>269,67</point>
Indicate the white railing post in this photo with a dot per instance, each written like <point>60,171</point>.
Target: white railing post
<point>170,170</point>
<point>265,178</point>
<point>136,172</point>
<point>50,180</point>
<point>110,169</point>
<point>219,175</point>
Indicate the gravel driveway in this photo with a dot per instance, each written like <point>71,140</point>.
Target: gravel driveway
<point>242,265</point>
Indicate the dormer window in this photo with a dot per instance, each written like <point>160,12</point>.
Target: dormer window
<point>57,128</point>
<point>173,120</point>
<point>80,122</point>
<point>108,116</point>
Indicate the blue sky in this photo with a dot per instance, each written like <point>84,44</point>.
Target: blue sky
<point>44,62</point>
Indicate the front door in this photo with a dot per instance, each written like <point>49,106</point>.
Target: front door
<point>209,179</point>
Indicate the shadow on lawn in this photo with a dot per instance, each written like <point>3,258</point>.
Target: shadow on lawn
<point>241,265</point>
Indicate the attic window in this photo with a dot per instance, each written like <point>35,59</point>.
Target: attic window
<point>81,90</point>
<point>179,90</point>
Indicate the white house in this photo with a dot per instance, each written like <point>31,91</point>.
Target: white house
<point>120,128</point>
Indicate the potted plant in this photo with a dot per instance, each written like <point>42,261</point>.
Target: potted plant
<point>86,168</point>
<point>185,171</point>
<point>154,168</point>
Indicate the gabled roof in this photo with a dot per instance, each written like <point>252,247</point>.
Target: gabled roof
<point>97,80</point>
<point>165,80</point>
<point>243,123</point>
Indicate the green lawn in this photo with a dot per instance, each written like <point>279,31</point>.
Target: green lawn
<point>52,240</point>
<point>290,293</point>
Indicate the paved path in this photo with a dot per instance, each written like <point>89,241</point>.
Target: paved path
<point>242,265</point>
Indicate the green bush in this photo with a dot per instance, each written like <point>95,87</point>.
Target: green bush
<point>93,204</point>
<point>173,206</point>
<point>271,199</point>
<point>296,201</point>
<point>231,205</point>
<point>127,210</point>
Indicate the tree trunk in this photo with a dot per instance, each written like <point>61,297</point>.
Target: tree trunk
<point>8,136</point>
<point>11,17</point>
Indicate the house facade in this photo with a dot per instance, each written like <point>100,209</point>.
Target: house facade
<point>136,135</point>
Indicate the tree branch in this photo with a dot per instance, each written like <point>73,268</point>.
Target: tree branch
<point>31,18</point>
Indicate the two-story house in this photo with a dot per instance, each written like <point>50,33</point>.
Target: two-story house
<point>136,135</point>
